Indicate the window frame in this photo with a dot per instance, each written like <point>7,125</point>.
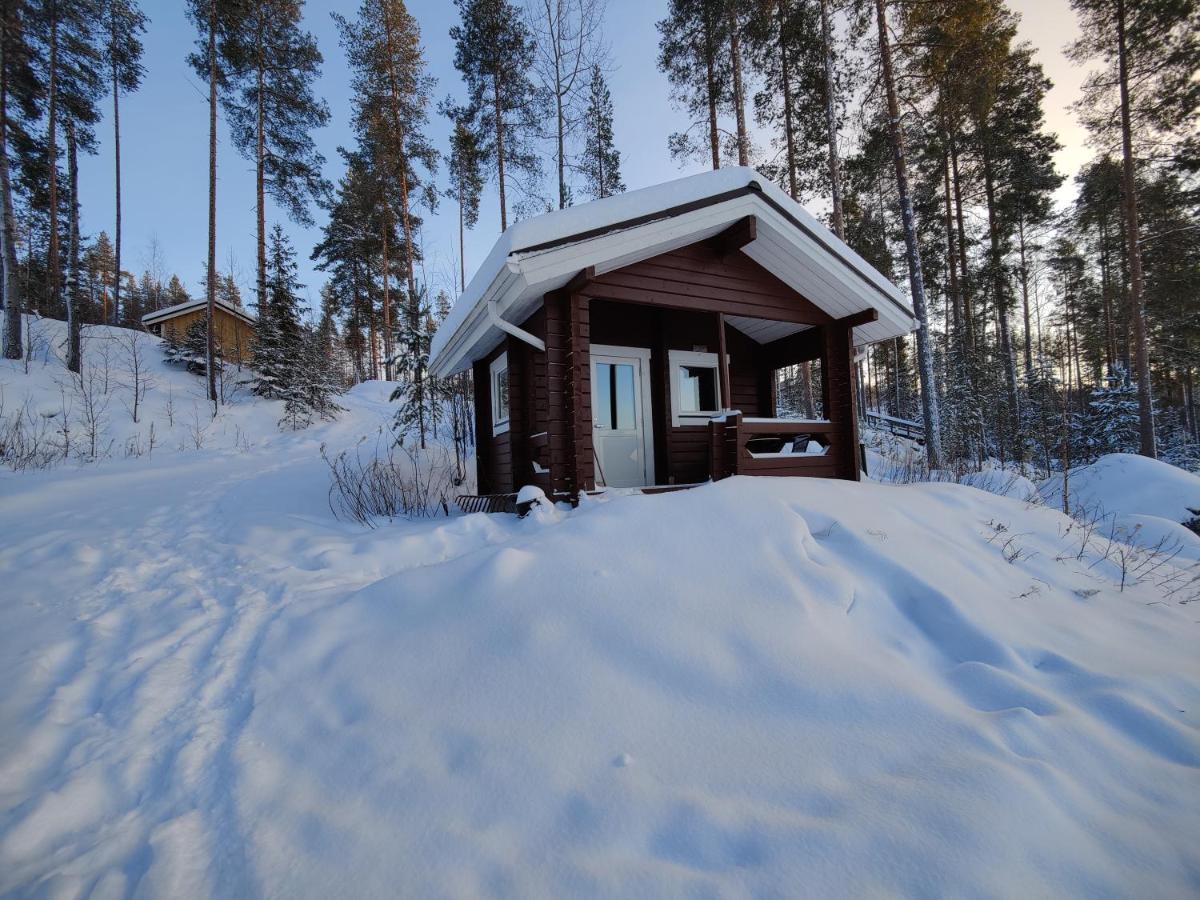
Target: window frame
<point>500,419</point>
<point>676,360</point>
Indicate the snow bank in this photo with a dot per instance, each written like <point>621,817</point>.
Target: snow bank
<point>1127,483</point>
<point>760,687</point>
<point>1141,500</point>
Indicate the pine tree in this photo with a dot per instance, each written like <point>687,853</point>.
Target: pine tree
<point>788,54</point>
<point>929,400</point>
<point>123,22</point>
<point>214,61</point>
<point>70,37</point>
<point>74,325</point>
<point>1151,53</point>
<point>175,292</point>
<point>99,261</point>
<point>601,162</point>
<point>20,95</point>
<point>273,111</point>
<point>466,183</point>
<point>690,53</point>
<point>494,51</point>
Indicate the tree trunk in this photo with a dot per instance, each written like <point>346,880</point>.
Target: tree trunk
<point>500,150</point>
<point>387,300</point>
<point>714,137</point>
<point>116,90</point>
<point>52,264</point>
<point>739,99</point>
<point>789,131</point>
<point>210,362</point>
<point>1141,351</point>
<point>998,288</point>
<point>929,404</point>
<point>965,287</point>
<point>835,172</point>
<point>260,168</point>
<point>74,326</point>
<point>951,259</point>
<point>1025,299</point>
<point>13,307</point>
<point>414,301</point>
<point>560,149</point>
<point>462,259</point>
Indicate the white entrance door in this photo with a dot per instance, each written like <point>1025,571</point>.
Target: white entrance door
<point>622,433</point>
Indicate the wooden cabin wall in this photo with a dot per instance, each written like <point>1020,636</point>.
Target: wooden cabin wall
<point>232,335</point>
<point>681,453</point>
<point>493,453</point>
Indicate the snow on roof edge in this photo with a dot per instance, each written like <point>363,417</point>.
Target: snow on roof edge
<point>168,311</point>
<point>612,211</point>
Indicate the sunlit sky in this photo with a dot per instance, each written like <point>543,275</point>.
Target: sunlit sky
<point>165,139</point>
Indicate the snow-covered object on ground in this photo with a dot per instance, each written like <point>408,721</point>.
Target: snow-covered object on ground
<point>761,687</point>
<point>1141,499</point>
<point>1129,484</point>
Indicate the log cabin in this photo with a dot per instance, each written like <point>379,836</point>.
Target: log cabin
<point>233,327</point>
<point>638,340</point>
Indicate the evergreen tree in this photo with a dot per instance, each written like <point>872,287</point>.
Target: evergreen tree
<point>788,53</point>
<point>100,266</point>
<point>175,292</point>
<point>601,162</point>
<point>392,95</point>
<point>215,60</point>
<point>20,95</point>
<point>70,38</point>
<point>1112,425</point>
<point>494,51</point>
<point>690,53</point>
<point>1150,50</point>
<point>929,404</point>
<point>273,111</point>
<point>123,22</point>
<point>466,183</point>
<point>279,339</point>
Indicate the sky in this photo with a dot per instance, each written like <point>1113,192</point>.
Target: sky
<point>164,139</point>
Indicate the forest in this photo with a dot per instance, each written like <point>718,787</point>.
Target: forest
<point>1049,333</point>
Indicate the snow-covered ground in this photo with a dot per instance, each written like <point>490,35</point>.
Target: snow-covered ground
<point>212,687</point>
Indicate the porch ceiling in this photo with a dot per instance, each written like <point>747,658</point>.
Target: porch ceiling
<point>763,331</point>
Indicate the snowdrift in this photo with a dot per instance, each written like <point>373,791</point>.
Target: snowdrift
<point>767,687</point>
<point>1141,500</point>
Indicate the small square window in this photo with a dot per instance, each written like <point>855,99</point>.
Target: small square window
<point>695,387</point>
<point>499,377</point>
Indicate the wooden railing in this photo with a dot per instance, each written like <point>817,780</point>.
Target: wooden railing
<point>731,454</point>
<point>905,428</point>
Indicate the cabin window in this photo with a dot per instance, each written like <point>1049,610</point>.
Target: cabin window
<point>499,371</point>
<point>695,387</point>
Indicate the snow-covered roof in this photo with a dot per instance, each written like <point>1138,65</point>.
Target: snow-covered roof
<point>170,312</point>
<point>544,253</point>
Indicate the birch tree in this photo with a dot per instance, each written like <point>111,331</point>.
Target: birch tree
<point>567,41</point>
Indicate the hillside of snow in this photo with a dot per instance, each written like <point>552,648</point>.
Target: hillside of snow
<point>762,687</point>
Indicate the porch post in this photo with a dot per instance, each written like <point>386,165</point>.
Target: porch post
<point>840,402</point>
<point>581,463</point>
<point>723,364</point>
